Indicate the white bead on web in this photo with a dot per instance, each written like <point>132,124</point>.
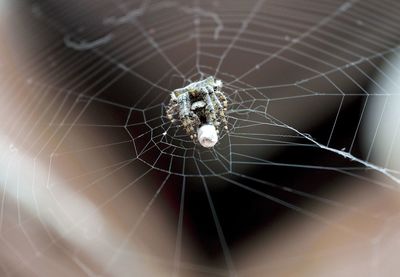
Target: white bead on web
<point>207,135</point>
<point>200,107</point>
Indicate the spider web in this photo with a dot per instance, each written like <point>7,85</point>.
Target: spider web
<point>308,107</point>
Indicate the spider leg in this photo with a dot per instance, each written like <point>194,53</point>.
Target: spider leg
<point>216,101</point>
<point>173,108</point>
<point>218,114</point>
<point>194,125</point>
<point>207,98</point>
<point>186,116</point>
<point>184,104</point>
<point>209,108</point>
<point>224,101</point>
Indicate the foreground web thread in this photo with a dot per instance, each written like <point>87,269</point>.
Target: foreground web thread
<point>345,154</point>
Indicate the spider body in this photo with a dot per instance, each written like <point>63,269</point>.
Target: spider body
<point>201,109</point>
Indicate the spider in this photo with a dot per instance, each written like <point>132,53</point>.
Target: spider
<point>201,107</point>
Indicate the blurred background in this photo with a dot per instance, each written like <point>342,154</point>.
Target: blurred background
<point>95,181</point>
